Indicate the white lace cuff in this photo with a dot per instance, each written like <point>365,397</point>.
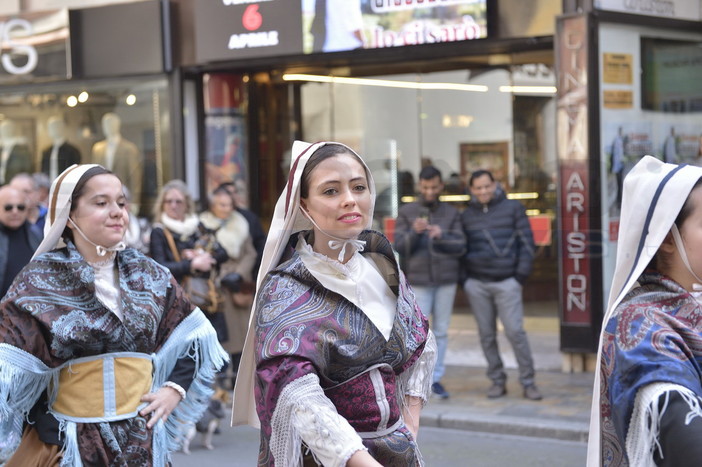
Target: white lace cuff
<point>416,381</point>
<point>177,387</point>
<point>644,427</point>
<point>305,414</point>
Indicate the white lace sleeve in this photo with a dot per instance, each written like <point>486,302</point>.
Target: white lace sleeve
<point>416,381</point>
<point>304,413</point>
<point>644,427</point>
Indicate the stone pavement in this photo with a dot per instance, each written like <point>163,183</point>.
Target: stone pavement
<point>564,412</point>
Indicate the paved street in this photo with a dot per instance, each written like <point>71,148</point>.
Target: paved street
<point>441,447</point>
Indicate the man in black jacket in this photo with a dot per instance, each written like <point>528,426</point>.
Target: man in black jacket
<point>500,251</point>
<point>430,241</point>
<point>17,235</point>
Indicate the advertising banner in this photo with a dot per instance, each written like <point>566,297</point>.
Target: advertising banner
<point>335,25</point>
<point>232,29</point>
<point>623,145</point>
<point>680,9</point>
<point>236,29</point>
<point>226,143</point>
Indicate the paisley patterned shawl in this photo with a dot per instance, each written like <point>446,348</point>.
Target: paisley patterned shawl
<point>51,315</point>
<point>654,336</point>
<point>305,328</point>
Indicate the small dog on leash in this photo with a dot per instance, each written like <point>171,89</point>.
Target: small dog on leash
<point>208,424</point>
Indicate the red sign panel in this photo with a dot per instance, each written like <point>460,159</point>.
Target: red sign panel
<point>574,193</point>
<point>575,247</point>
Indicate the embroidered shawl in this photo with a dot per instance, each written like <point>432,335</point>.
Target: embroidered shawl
<point>655,336</point>
<point>304,328</point>
<point>51,315</point>
<point>653,195</point>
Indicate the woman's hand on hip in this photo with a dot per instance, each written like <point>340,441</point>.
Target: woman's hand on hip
<point>161,404</point>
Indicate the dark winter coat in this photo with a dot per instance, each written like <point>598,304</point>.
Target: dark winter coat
<point>499,241</point>
<point>425,261</point>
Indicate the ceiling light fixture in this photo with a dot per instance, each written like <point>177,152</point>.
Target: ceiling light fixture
<point>385,83</point>
<point>529,89</point>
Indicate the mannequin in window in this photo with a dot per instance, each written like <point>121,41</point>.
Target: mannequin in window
<point>120,156</point>
<point>14,155</point>
<point>61,154</point>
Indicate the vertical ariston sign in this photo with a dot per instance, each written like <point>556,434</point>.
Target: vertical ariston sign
<point>575,229</point>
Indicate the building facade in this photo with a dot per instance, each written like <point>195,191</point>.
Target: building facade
<point>217,91</point>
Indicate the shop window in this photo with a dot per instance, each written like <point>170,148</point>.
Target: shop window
<point>500,119</point>
<point>123,125</point>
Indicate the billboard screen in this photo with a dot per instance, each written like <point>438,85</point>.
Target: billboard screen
<point>238,29</point>
<point>671,71</point>
<point>336,25</point>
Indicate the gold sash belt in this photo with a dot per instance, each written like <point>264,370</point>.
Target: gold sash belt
<point>105,387</point>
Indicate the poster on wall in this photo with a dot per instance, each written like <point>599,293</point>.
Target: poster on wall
<point>617,68</point>
<point>487,156</point>
<point>225,158</point>
<point>624,144</point>
<point>337,25</point>
<point>680,143</point>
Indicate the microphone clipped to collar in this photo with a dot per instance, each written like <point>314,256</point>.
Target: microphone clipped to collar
<point>337,242</point>
<point>101,250</point>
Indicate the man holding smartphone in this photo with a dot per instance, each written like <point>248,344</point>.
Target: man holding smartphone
<point>429,239</point>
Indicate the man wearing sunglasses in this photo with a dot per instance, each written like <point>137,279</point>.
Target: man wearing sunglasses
<point>16,235</point>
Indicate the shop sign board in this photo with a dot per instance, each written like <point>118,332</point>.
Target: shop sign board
<point>233,29</point>
<point>574,193</point>
<point>34,45</point>
<point>690,10</point>
<point>236,29</point>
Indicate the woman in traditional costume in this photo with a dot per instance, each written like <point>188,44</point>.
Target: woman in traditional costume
<point>648,385</point>
<point>338,358</point>
<point>100,351</point>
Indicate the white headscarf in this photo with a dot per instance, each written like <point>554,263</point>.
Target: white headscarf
<point>287,220</point>
<point>654,193</point>
<point>59,208</point>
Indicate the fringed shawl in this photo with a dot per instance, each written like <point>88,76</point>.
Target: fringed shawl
<point>654,193</point>
<point>51,316</point>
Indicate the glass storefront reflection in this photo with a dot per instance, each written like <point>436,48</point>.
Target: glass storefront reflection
<point>501,119</point>
<point>121,124</point>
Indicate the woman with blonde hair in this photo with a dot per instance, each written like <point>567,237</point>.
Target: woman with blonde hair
<point>179,242</point>
<point>338,359</point>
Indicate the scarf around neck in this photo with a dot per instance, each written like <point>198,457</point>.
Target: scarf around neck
<point>231,233</point>
<point>185,229</point>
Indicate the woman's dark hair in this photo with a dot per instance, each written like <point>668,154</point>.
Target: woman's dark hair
<point>325,152</point>
<point>687,207</point>
<point>79,190</point>
<point>660,261</point>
